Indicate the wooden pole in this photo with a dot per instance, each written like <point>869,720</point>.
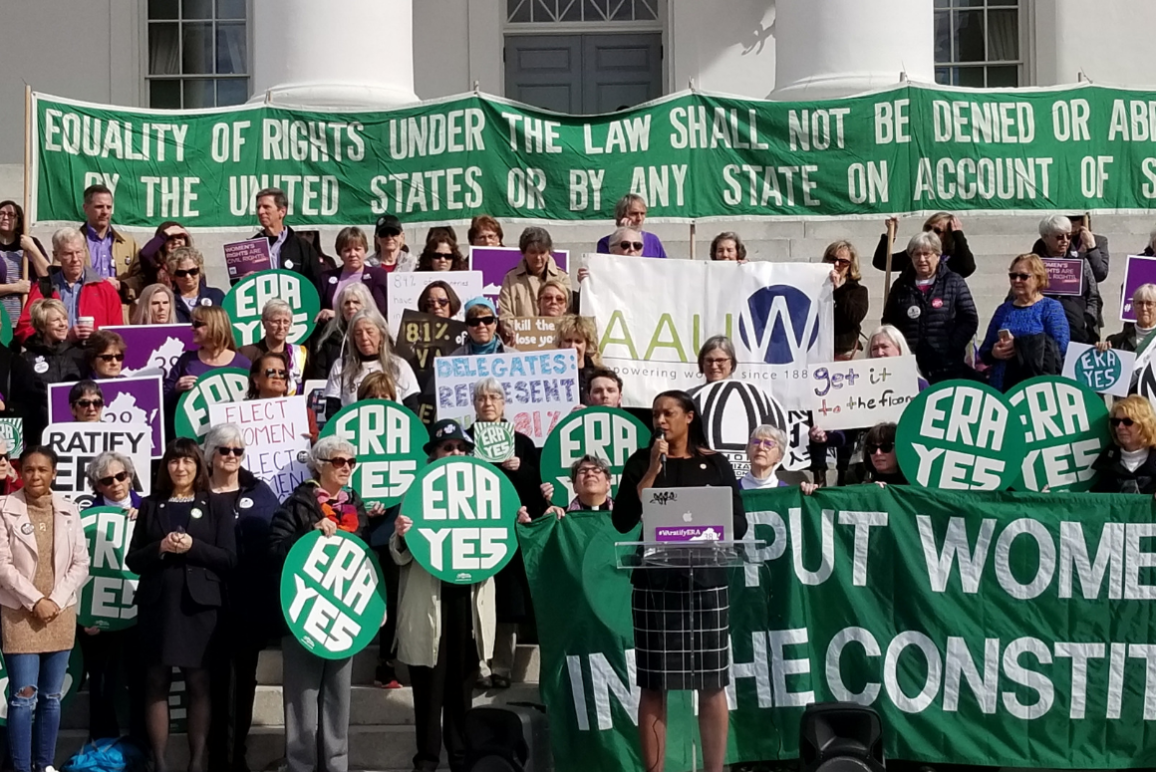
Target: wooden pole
<point>693,228</point>
<point>891,228</point>
<point>27,167</point>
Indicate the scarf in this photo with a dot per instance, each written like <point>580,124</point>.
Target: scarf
<point>338,509</point>
<point>488,348</point>
<point>750,482</point>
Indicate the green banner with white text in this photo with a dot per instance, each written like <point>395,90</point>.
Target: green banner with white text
<point>692,155</point>
<point>1005,629</point>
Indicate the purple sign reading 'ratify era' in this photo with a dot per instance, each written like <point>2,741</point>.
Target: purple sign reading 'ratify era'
<point>689,533</point>
<point>1138,270</point>
<point>1065,276</point>
<point>496,262</point>
<point>245,257</point>
<point>153,348</point>
<point>126,401</point>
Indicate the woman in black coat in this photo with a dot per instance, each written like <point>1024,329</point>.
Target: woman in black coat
<point>1128,465</point>
<point>51,355</point>
<point>851,299</point>
<point>183,549</point>
<point>933,308</point>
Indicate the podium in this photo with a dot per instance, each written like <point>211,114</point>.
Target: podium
<point>692,643</point>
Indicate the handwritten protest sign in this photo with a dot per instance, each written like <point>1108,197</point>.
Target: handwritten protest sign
<point>78,443</point>
<point>245,257</point>
<point>495,262</point>
<point>389,440</point>
<point>405,288</point>
<point>227,384</point>
<point>153,348</point>
<point>136,400</point>
<point>1065,428</point>
<point>421,338</point>
<point>1065,275</point>
<point>1104,372</point>
<point>861,392</point>
<point>276,433</point>
<point>108,599</point>
<point>532,333</point>
<point>246,301</point>
<point>605,432</point>
<point>541,388</point>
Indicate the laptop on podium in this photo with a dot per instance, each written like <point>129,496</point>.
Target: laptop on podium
<point>679,515</point>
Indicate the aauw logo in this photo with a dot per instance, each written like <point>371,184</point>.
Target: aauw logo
<point>779,323</point>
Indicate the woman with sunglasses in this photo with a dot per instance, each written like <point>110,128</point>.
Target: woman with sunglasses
<point>765,453</point>
<point>269,379</point>
<point>251,615</point>
<point>1028,334</point>
<point>553,299</point>
<point>630,212</point>
<point>216,348</point>
<point>438,298</point>
<point>851,300</point>
<point>947,228</point>
<point>316,691</point>
<point>17,247</point>
<point>105,352</point>
<point>1058,239</point>
<point>86,401</point>
<point>155,305</point>
<point>277,320</point>
<point>1128,465</point>
<point>481,329</point>
<point>880,464</point>
<point>10,480</point>
<point>441,253</point>
<point>186,268</point>
<point>169,237</point>
<point>352,246</point>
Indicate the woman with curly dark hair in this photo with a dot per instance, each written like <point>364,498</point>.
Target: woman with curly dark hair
<point>441,254</point>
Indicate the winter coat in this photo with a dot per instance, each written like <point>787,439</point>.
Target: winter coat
<point>97,299</point>
<point>298,255</point>
<point>851,305</point>
<point>376,280</point>
<point>519,293</point>
<point>938,324</point>
<point>1115,477</point>
<point>206,296</point>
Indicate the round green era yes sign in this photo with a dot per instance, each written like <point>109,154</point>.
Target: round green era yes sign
<point>463,513</point>
<point>605,432</point>
<point>389,440</point>
<point>108,598</point>
<point>227,384</point>
<point>1065,428</point>
<point>959,435</point>
<point>332,594</point>
<point>247,299</point>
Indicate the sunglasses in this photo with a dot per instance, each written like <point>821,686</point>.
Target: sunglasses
<point>4,457</point>
<point>1063,237</point>
<point>238,452</point>
<point>182,273</point>
<point>624,245</point>
<point>439,302</point>
<point>339,462</point>
<point>883,447</point>
<point>841,262</point>
<point>271,373</point>
<point>110,357</point>
<point>477,321</point>
<point>441,256</point>
<point>87,403</point>
<point>1013,275</point>
<point>199,324</point>
<point>118,477</point>
<point>1124,421</point>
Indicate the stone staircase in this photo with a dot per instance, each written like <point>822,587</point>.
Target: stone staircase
<point>381,720</point>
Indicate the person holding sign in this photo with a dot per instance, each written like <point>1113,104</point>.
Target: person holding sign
<point>438,298</point>
<point>330,343</point>
<point>553,299</point>
<point>316,690</point>
<point>216,348</point>
<point>630,212</point>
<point>288,251</point>
<point>277,319</point>
<point>1083,310</point>
<point>1128,465</point>
<point>519,293</point>
<point>352,245</point>
<point>1062,236</point>
<point>43,566</point>
<point>482,329</point>
<point>155,305</point>
<point>186,268</point>
<point>947,228</point>
<point>665,604</point>
<point>443,631</point>
<point>717,359</point>
<point>765,451</point>
<point>590,478</point>
<point>105,353</point>
<point>1028,335</point>
<point>1134,333</point>
<point>371,352</point>
<point>86,401</point>
<point>580,334</point>
<point>18,250</point>
<point>183,549</point>
<point>851,300</point>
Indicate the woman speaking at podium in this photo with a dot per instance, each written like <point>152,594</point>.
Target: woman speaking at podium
<point>681,629</point>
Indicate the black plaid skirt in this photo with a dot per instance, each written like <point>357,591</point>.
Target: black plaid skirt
<point>681,638</point>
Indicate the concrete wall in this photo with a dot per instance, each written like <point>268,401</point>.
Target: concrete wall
<point>728,48</point>
<point>1101,38</point>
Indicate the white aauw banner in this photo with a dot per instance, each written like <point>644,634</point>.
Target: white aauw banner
<point>653,315</point>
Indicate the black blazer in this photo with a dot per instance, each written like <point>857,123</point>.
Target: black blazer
<point>208,296</point>
<point>205,566</point>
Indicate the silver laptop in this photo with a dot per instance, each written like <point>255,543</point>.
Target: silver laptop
<point>678,515</point>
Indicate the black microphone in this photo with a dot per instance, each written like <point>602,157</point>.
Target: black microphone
<point>662,458</point>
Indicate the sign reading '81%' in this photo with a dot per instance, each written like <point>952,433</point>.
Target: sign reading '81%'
<point>332,594</point>
<point>605,432</point>
<point>389,440</point>
<point>463,513</point>
<point>1065,428</point>
<point>108,599</point>
<point>247,299</point>
<point>228,384</point>
<point>959,435</point>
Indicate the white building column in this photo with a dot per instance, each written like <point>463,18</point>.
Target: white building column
<point>333,53</point>
<point>835,48</point>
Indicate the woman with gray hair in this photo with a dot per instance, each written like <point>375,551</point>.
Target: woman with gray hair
<point>519,293</point>
<point>765,451</point>
<point>369,349</point>
<point>1058,239</point>
<point>112,477</point>
<point>1062,236</point>
<point>934,310</point>
<point>316,691</point>
<point>956,253</point>
<point>186,267</point>
<point>277,319</point>
<point>1133,333</point>
<point>630,211</point>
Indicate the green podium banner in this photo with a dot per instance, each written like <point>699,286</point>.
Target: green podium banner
<point>987,628</point>
<point>691,155</point>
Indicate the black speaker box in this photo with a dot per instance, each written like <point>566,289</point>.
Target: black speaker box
<point>508,738</point>
<point>840,737</point>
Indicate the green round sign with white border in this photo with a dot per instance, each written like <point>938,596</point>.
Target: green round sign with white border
<point>959,435</point>
<point>73,674</point>
<point>108,598</point>
<point>247,299</point>
<point>606,432</point>
<point>389,439</point>
<point>1065,428</point>
<point>332,594</point>
<point>225,384</point>
<point>463,511</point>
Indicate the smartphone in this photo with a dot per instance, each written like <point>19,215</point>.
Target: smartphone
<point>1005,334</point>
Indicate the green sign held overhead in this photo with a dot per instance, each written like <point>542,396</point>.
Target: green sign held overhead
<point>332,594</point>
<point>389,439</point>
<point>463,513</point>
<point>227,384</point>
<point>606,432</point>
<point>246,301</point>
<point>1065,428</point>
<point>108,599</point>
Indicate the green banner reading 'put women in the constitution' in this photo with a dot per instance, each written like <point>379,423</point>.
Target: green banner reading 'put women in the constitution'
<point>691,155</point>
<point>986,628</point>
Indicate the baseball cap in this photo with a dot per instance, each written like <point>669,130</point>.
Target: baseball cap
<point>387,224</point>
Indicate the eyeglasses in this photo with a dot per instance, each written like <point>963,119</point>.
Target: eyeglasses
<point>182,273</point>
<point>271,373</point>
<point>1144,303</point>
<point>454,446</point>
<point>111,357</point>
<point>7,213</point>
<point>118,477</point>
<point>883,447</point>
<point>768,444</point>
<point>589,470</point>
<point>713,361</point>
<point>1013,275</point>
<point>87,403</point>
<point>198,324</point>
<point>439,302</point>
<point>839,261</point>
<point>477,321</point>
<point>1063,237</point>
<point>1124,421</point>
<point>624,245</point>
<point>338,462</point>
<point>238,452</point>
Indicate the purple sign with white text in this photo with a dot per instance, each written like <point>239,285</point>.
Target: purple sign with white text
<point>1138,270</point>
<point>126,401</point>
<point>1065,276</point>
<point>153,348</point>
<point>245,257</point>
<point>690,533</point>
<point>496,262</point>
